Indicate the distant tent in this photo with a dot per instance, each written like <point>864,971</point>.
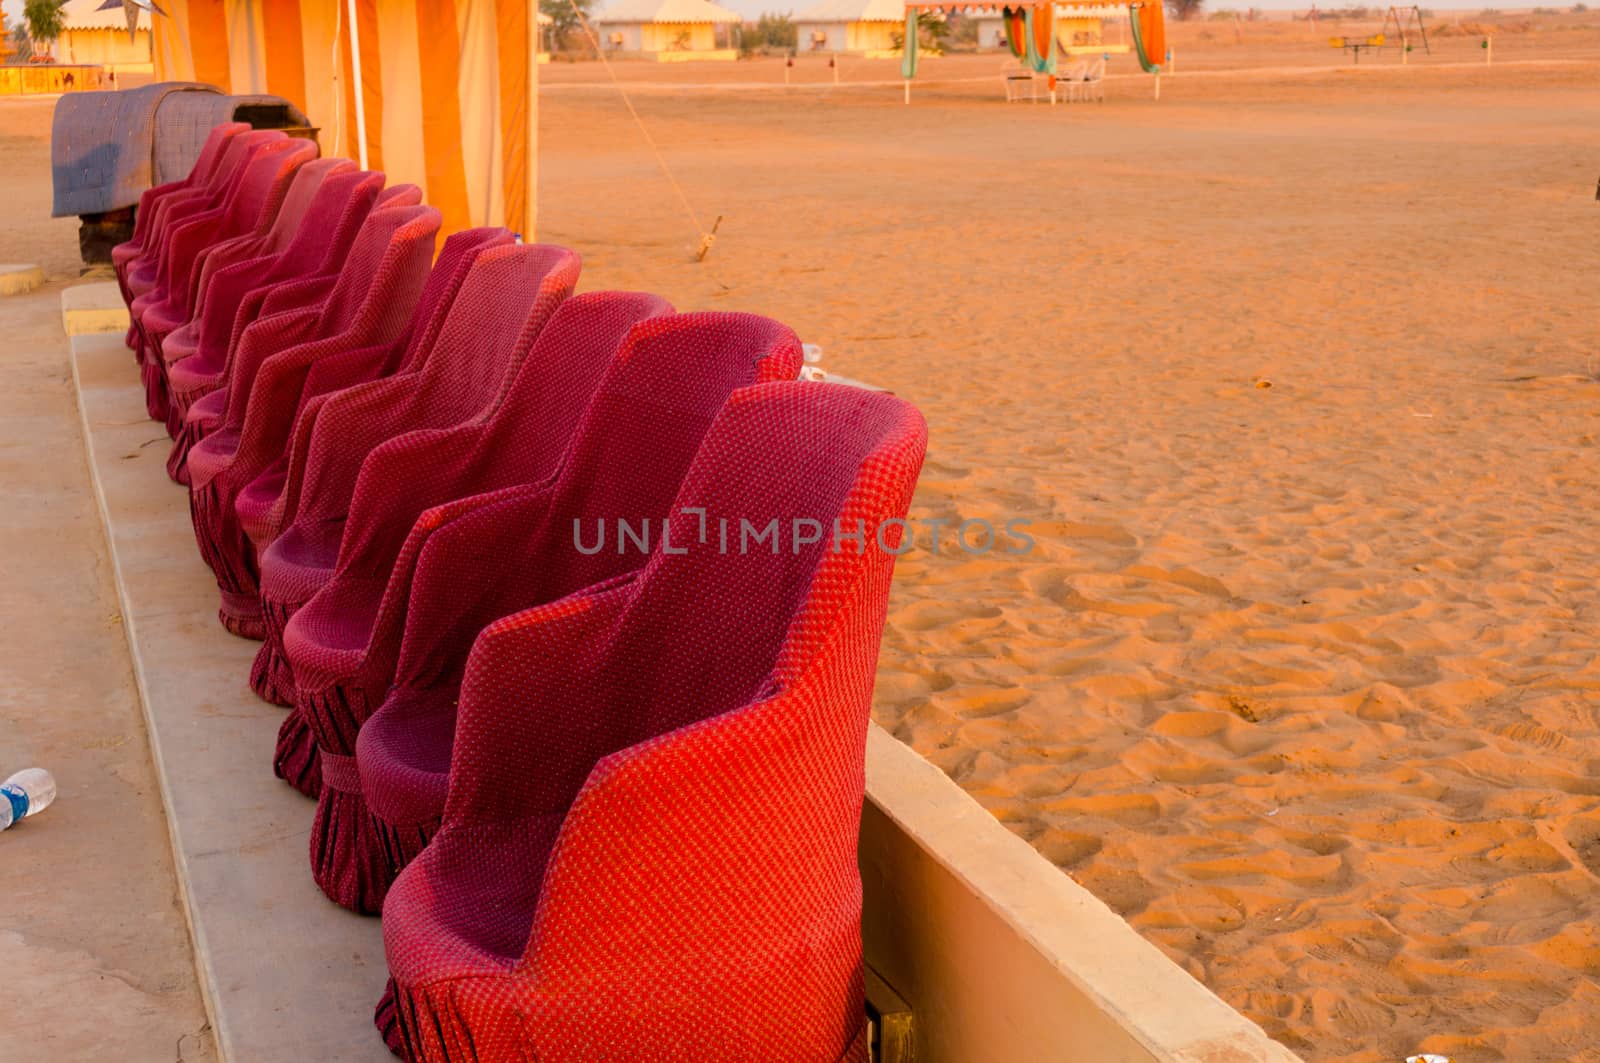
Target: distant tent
<point>447,98</point>
<point>861,27</point>
<point>99,36</point>
<point>669,29</point>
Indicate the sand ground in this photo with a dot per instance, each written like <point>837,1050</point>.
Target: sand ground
<point>93,943</point>
<point>1294,375</point>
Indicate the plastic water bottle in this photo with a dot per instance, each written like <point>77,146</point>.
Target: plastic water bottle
<point>27,793</point>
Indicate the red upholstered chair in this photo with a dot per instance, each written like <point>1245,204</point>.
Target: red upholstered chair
<point>333,376</point>
<point>369,308</point>
<point>627,461</point>
<point>456,370</point>
<point>649,845</point>
<point>152,199</point>
<point>676,370</point>
<point>199,355</point>
<point>157,322</point>
<point>552,379</point>
<point>251,207</point>
<point>144,272</point>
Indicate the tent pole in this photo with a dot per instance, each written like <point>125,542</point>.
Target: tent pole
<point>530,221</point>
<point>358,82</point>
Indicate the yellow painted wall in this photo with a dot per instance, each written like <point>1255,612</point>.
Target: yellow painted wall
<point>872,36</point>
<point>105,47</point>
<point>679,37</point>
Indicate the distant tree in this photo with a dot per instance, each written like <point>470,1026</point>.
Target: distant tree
<point>1184,10</point>
<point>566,28</point>
<point>43,18</point>
<point>778,31</point>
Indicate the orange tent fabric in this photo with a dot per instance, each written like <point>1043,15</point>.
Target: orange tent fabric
<point>447,86</point>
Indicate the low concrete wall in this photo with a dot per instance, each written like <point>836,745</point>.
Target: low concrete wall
<point>1001,956</point>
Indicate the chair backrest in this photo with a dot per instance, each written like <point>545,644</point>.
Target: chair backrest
<point>236,155</point>
<point>297,201</point>
<point>335,215</point>
<point>211,151</point>
<point>1097,70</point>
<point>553,383</point>
<point>640,433</point>
<point>787,453</point>
<point>262,185</point>
<point>371,302</point>
<point>503,304</point>
<point>1077,70</point>
<point>444,282</point>
<point>385,253</point>
<point>401,195</point>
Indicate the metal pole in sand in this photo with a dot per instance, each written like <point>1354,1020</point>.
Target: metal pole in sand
<point>908,92</point>
<point>1488,51</point>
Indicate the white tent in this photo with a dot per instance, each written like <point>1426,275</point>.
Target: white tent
<point>860,27</point>
<point>669,29</point>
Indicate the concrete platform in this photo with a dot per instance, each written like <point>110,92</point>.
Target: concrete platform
<point>1000,955</point>
<point>287,975</point>
<point>18,279</point>
<point>91,308</point>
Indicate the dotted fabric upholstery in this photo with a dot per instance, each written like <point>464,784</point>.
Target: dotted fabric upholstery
<point>627,462</point>
<point>649,845</point>
<point>198,355</point>
<point>632,446</point>
<point>157,323</point>
<point>369,307</point>
<point>153,201</point>
<point>627,458</point>
<point>454,370</point>
<point>257,501</point>
<point>553,372</point>
<point>172,211</point>
<point>144,272</point>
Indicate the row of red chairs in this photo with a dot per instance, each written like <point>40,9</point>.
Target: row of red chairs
<point>605,799</point>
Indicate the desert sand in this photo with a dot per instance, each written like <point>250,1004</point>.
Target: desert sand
<point>1296,375</point>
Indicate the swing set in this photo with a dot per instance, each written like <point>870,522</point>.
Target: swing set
<point>1031,33</point>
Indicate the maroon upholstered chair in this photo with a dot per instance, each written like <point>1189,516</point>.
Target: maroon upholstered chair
<point>153,200</point>
<point>649,844</point>
<point>627,461</point>
<point>553,374</point>
<point>332,376</point>
<point>157,322</point>
<point>455,370</point>
<point>144,272</point>
<point>251,207</point>
<point>368,308</point>
<point>676,370</point>
<point>198,356</point>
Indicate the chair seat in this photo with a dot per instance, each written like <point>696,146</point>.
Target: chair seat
<point>334,627</point>
<point>403,754</point>
<point>443,921</point>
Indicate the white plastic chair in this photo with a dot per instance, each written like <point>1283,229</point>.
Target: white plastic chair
<point>1019,79</point>
<point>1092,82</point>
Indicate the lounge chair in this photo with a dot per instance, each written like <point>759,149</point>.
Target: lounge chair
<point>199,355</point>
<point>368,308</point>
<point>649,844</point>
<point>246,217</point>
<point>153,200</point>
<point>672,372</point>
<point>172,213</point>
<point>552,372</point>
<point>352,411</point>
